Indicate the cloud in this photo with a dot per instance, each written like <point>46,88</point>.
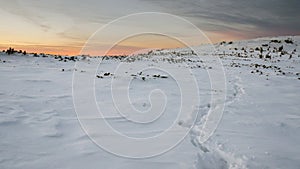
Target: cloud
<point>76,20</point>
<point>255,17</point>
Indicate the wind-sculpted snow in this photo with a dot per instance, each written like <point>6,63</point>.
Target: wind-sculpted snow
<point>39,127</point>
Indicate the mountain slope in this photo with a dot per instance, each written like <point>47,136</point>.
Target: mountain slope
<point>259,128</point>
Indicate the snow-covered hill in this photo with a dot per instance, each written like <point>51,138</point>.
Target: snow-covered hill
<point>260,126</point>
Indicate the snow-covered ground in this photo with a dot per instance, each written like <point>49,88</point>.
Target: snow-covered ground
<point>260,126</point>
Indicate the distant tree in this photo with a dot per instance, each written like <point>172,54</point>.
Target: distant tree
<point>24,52</point>
<point>10,51</point>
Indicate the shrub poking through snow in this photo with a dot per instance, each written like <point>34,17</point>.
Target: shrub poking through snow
<point>289,41</point>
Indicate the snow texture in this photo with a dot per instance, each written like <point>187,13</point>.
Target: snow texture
<point>260,126</point>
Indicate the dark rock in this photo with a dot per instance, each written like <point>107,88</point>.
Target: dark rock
<point>106,74</point>
<point>280,48</point>
<point>268,56</point>
<point>275,41</point>
<point>289,41</point>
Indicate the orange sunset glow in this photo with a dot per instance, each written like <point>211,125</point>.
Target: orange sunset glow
<point>62,27</point>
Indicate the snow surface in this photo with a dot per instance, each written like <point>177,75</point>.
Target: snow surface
<point>260,126</point>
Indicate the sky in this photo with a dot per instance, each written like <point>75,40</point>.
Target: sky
<point>64,26</point>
